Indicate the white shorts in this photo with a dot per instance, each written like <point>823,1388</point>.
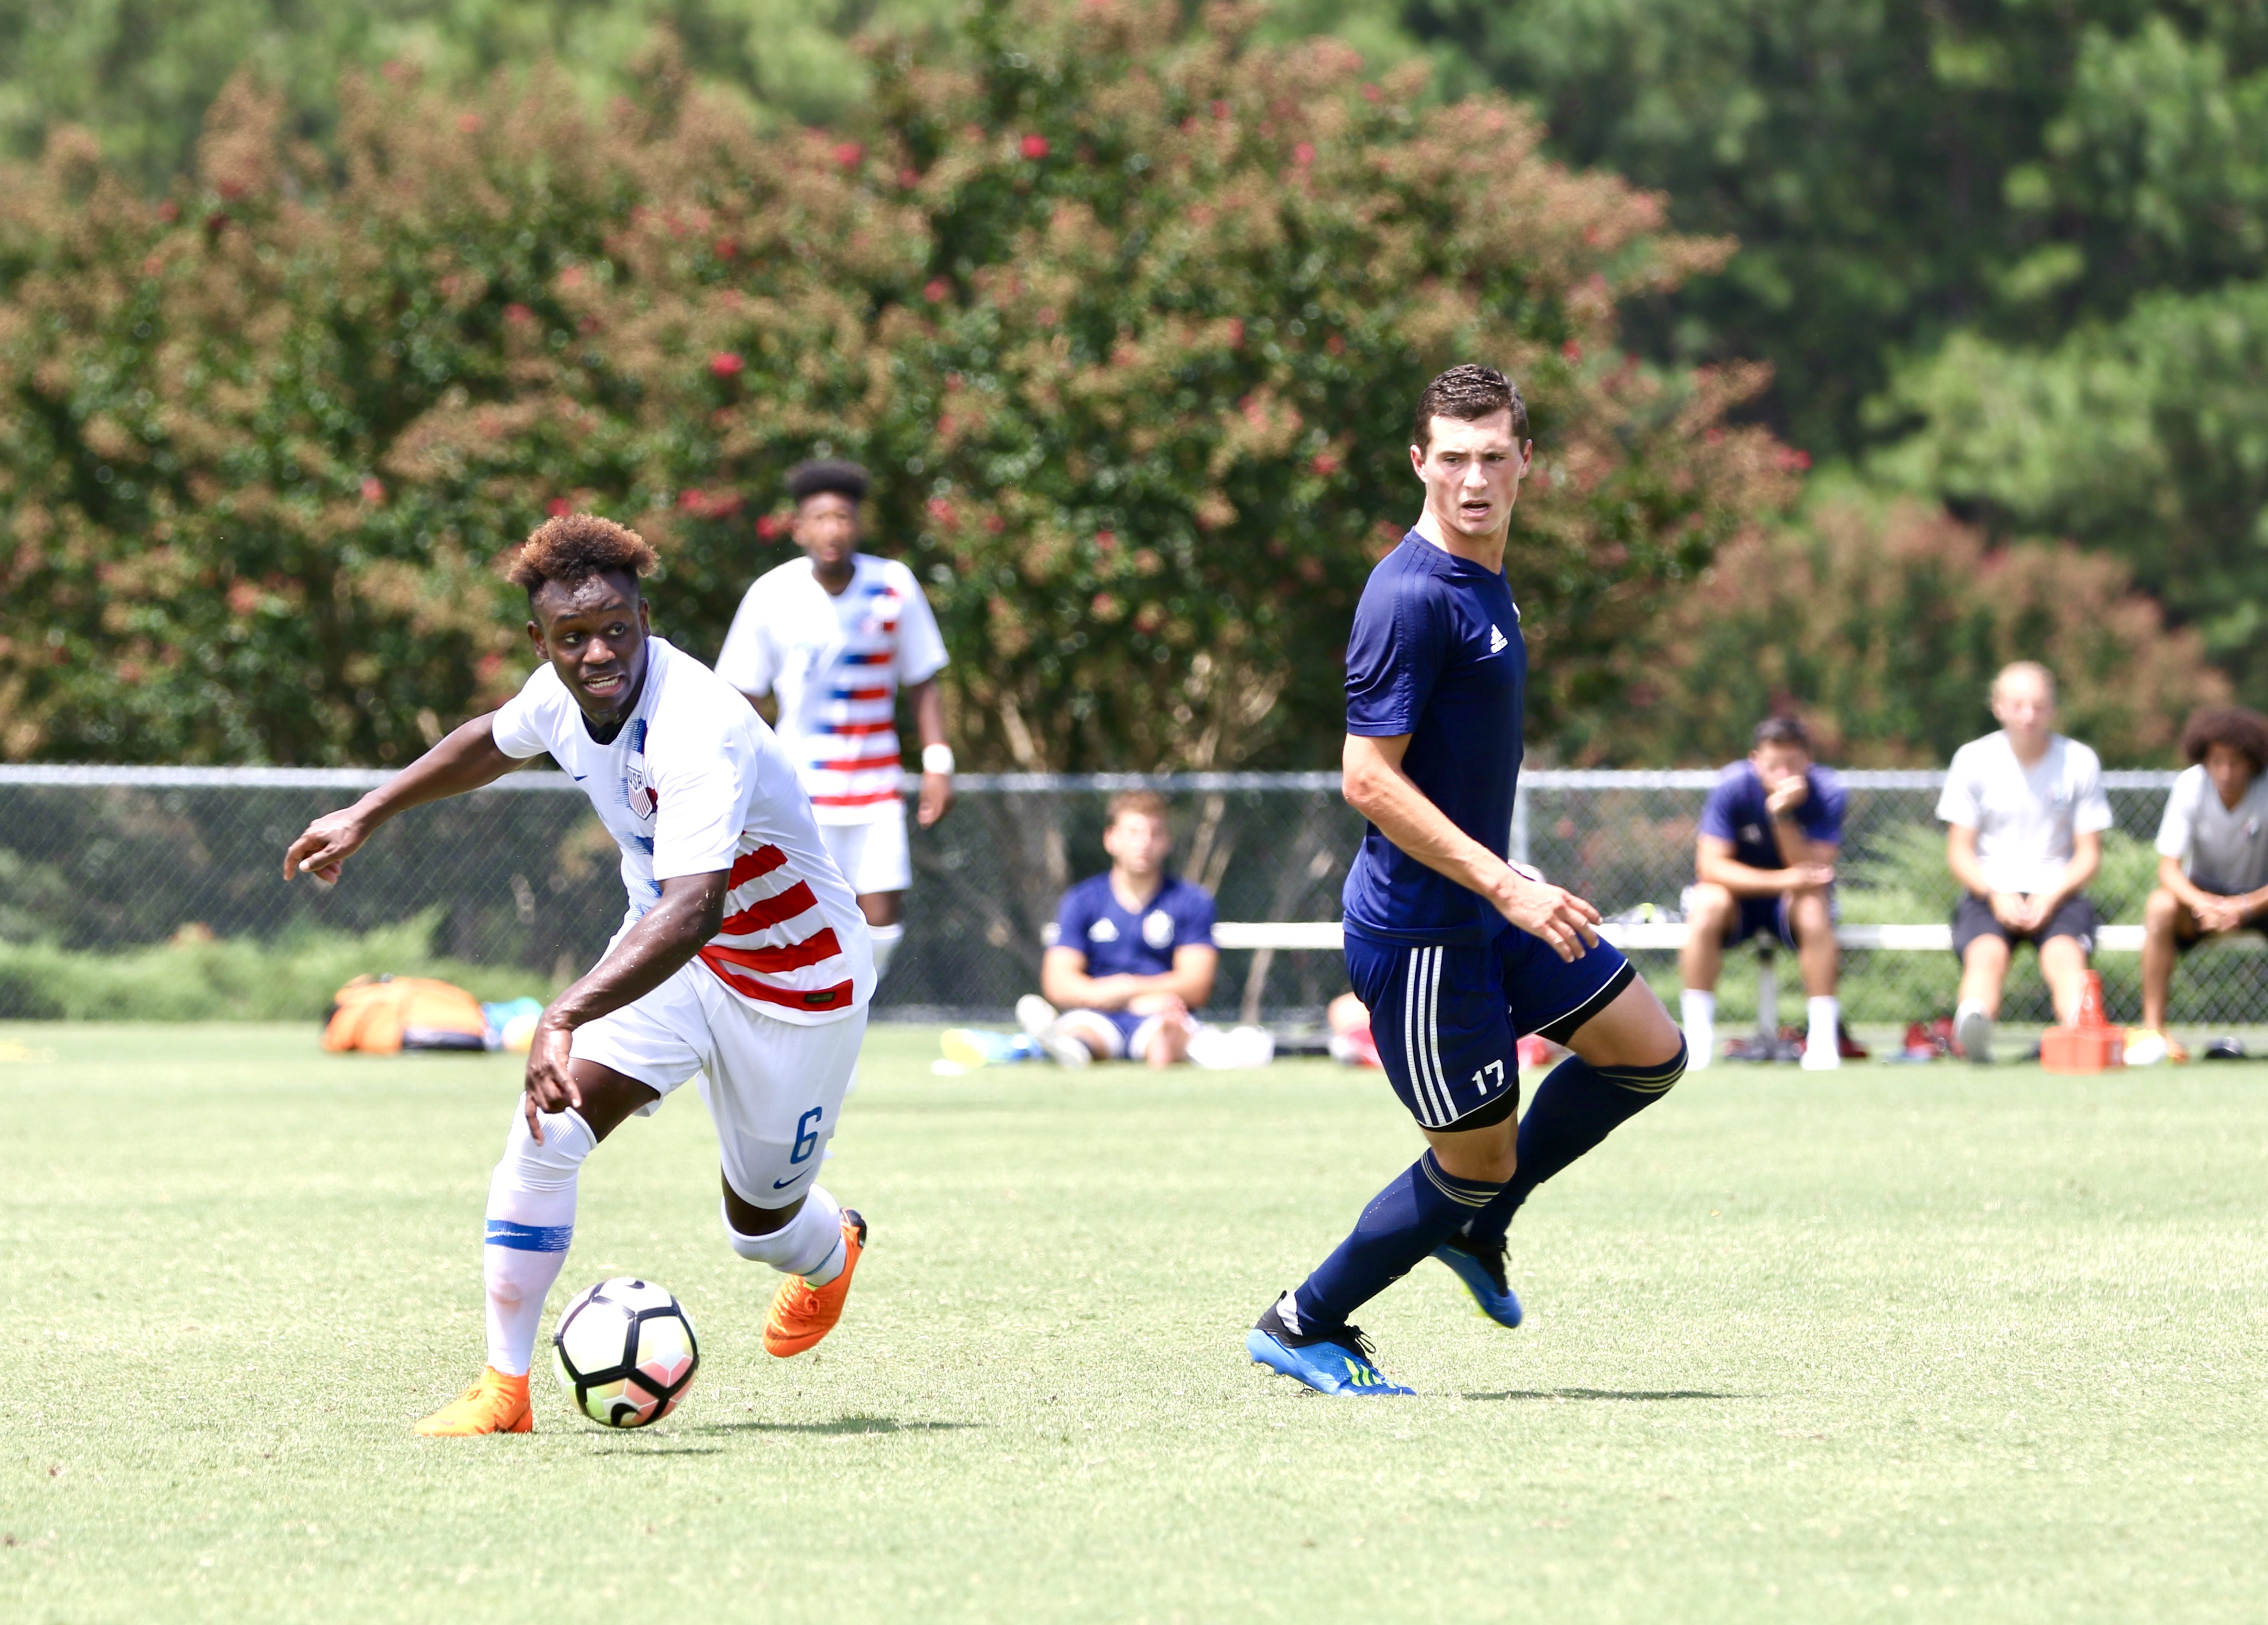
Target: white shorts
<point>773,1088</point>
<point>872,856</point>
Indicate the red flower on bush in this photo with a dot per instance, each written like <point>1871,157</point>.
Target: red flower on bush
<point>768,527</point>
<point>1324,464</point>
<point>848,153</point>
<point>169,211</point>
<point>936,288</point>
<point>558,507</point>
<point>1304,154</point>
<point>1033,147</point>
<point>519,314</point>
<point>1570,350</point>
<point>941,511</point>
<point>374,489</point>
<point>709,504</point>
<point>726,364</point>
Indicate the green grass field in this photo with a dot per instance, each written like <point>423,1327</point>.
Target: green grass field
<point>1903,1343</point>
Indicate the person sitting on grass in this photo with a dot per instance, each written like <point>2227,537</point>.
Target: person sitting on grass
<point>1766,863</point>
<point>2025,813</point>
<point>2213,858</point>
<point>1132,952</point>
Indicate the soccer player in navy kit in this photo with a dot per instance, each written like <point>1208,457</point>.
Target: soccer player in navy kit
<point>1456,952</point>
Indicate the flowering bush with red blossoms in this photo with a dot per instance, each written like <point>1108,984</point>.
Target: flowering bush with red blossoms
<point>1127,316</point>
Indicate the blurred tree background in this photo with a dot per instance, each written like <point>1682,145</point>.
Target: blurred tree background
<point>2004,262</point>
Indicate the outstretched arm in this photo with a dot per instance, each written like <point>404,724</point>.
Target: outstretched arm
<point>466,760</point>
<point>1376,787</point>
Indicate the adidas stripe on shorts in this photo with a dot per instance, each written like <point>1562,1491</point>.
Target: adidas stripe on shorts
<point>1447,1018</point>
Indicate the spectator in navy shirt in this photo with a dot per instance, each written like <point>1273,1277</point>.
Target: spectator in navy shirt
<point>1132,952</point>
<point>1765,865</point>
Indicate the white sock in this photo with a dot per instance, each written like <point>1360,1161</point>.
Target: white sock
<point>1699,1010</point>
<point>885,940</point>
<point>1826,1018</point>
<point>530,1219</point>
<point>809,1245</point>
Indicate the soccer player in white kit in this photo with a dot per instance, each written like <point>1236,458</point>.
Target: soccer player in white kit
<point>743,957</point>
<point>835,635</point>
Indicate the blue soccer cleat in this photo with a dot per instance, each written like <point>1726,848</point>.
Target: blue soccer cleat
<point>1334,1359</point>
<point>1481,1270</point>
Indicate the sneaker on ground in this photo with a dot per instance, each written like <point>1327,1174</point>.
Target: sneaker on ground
<point>1850,1048</point>
<point>1330,1359</point>
<point>1230,1048</point>
<point>1821,1058</point>
<point>498,1403</point>
<point>1040,1020</point>
<point>1481,1268</point>
<point>802,1313</point>
<point>1972,1035</point>
<point>2145,1047</point>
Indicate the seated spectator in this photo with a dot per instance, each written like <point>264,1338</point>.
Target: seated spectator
<point>2213,857</point>
<point>1132,952</point>
<point>2026,813</point>
<point>1765,864</point>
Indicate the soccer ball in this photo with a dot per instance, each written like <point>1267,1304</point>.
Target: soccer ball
<point>625,1352</point>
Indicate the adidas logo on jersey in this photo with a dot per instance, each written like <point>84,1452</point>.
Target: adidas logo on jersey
<point>1498,642</point>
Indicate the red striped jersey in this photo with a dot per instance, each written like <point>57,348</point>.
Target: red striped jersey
<point>694,782</point>
<point>836,660</point>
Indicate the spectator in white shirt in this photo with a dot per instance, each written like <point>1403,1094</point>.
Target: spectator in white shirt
<point>2027,812</point>
<point>2212,856</point>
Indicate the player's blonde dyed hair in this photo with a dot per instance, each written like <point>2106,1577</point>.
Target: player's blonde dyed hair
<point>2022,668</point>
<point>572,547</point>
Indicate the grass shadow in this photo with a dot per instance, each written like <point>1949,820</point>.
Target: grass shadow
<point>1607,1394</point>
<point>852,1425</point>
<point>658,1450</point>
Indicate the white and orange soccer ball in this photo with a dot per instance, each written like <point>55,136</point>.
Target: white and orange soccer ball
<point>625,1352</point>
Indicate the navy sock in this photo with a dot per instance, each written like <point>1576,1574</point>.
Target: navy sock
<point>1576,1107</point>
<point>1422,1208</point>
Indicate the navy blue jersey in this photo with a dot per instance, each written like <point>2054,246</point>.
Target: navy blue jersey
<point>1736,811</point>
<point>1119,942</point>
<point>1436,653</point>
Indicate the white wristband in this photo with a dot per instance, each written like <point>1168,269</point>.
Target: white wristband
<point>937,759</point>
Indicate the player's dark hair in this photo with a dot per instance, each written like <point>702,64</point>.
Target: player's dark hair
<point>1148,803</point>
<point>1783,731</point>
<point>827,474</point>
<point>2242,730</point>
<point>574,547</point>
<point>1468,394</point>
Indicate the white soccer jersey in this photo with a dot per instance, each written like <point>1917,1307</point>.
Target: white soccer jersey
<point>694,782</point>
<point>2026,819</point>
<point>2223,849</point>
<point>836,661</point>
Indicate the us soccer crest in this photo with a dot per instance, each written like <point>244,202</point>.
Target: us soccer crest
<point>638,794</point>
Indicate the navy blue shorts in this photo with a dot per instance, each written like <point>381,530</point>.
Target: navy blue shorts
<point>1448,1019</point>
<point>1762,916</point>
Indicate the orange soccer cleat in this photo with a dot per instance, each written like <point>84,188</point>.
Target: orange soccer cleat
<point>802,1313</point>
<point>498,1403</point>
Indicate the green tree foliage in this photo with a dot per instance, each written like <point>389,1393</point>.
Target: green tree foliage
<point>2008,256</point>
<point>1126,314</point>
<point>1882,623</point>
<point>140,73</point>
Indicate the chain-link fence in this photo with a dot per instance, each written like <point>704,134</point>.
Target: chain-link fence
<point>98,861</point>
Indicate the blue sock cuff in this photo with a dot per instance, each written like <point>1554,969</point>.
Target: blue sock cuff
<point>1647,1079</point>
<point>529,1237</point>
<point>1465,1193</point>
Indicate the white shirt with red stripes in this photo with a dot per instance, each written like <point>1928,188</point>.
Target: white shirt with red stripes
<point>693,783</point>
<point>836,661</point>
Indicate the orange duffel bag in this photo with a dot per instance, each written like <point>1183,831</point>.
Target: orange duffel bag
<point>385,1015</point>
